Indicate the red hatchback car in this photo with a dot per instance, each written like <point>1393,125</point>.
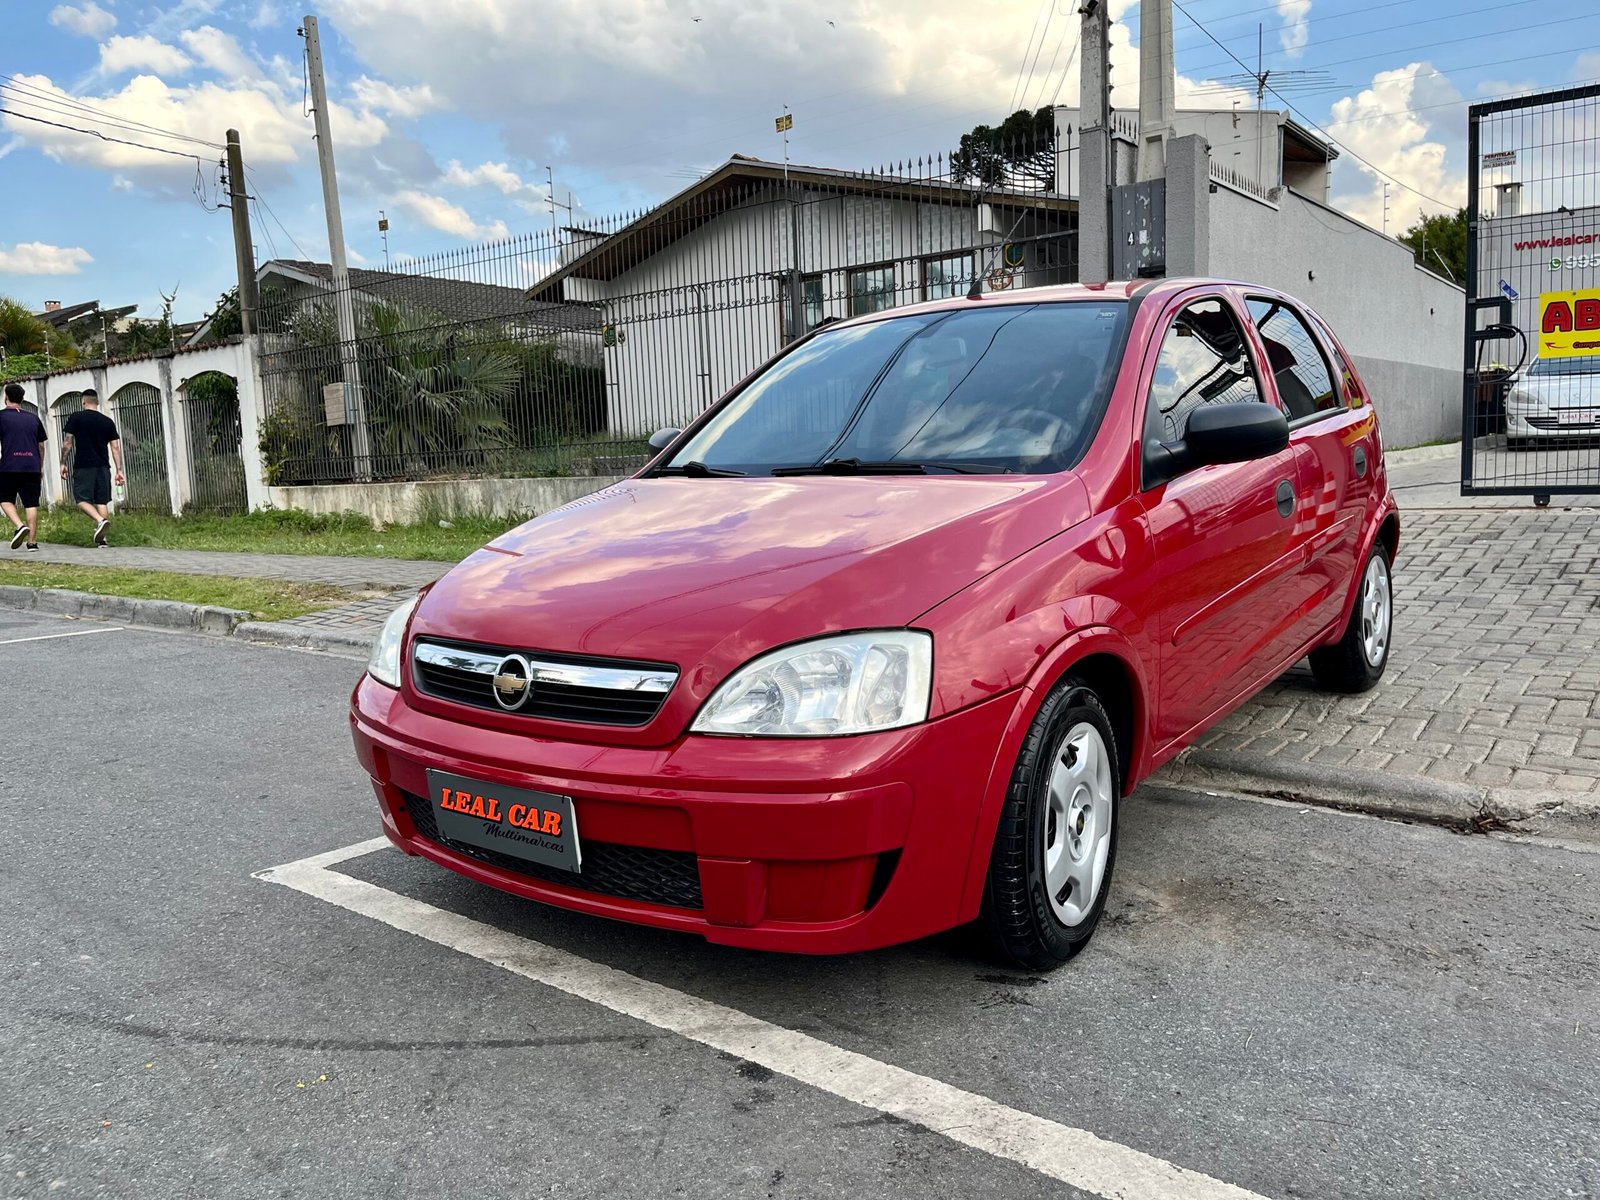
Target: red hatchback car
<point>875,647</point>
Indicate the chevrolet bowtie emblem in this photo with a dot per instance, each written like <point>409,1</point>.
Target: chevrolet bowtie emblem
<point>512,681</point>
<point>509,685</point>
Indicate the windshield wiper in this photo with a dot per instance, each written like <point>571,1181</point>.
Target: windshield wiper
<point>892,466</point>
<point>695,469</point>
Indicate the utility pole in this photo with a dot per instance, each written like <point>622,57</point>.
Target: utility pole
<point>1156,83</point>
<point>344,306</point>
<point>1094,147</point>
<point>244,257</point>
<point>1386,206</point>
<point>797,306</point>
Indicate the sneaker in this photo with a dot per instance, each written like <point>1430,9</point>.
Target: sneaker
<point>100,532</point>
<point>19,537</point>
<point>102,546</point>
<point>34,547</point>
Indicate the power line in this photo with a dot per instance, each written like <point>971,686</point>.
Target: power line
<point>1049,5</point>
<point>40,98</point>
<point>21,116</point>
<point>261,199</point>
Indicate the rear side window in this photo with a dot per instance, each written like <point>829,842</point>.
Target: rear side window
<point>1305,384</point>
<point>1204,360</point>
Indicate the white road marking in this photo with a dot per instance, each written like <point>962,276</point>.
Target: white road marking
<point>1073,1156</point>
<point>45,637</point>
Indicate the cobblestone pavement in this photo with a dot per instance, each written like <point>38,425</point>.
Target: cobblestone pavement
<point>1494,677</point>
<point>358,573</point>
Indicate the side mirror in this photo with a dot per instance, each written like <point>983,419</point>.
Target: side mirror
<point>662,438</point>
<point>1230,433</point>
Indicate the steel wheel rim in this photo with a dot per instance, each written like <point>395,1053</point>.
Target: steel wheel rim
<point>1376,615</point>
<point>1075,835</point>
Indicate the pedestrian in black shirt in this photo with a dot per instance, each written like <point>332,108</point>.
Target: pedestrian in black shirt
<point>94,436</point>
<point>22,439</point>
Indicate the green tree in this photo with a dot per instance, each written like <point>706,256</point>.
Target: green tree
<point>224,317</point>
<point>1440,243</point>
<point>1020,152</point>
<point>23,335</point>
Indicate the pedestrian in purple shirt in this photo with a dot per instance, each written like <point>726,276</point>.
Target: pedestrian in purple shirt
<point>22,439</point>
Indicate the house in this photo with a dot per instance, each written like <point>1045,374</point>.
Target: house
<point>1261,150</point>
<point>87,324</point>
<point>702,289</point>
<point>288,287</point>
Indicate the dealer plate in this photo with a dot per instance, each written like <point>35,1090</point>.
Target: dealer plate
<point>536,826</point>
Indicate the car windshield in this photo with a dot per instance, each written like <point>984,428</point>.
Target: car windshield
<point>988,389</point>
<point>1565,366</point>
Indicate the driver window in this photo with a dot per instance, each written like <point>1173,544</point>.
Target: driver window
<point>1204,360</point>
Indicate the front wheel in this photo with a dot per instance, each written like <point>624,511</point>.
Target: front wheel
<point>1356,661</point>
<point>1050,870</point>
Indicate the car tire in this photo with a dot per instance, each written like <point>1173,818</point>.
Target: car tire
<point>1356,661</point>
<point>1057,838</point>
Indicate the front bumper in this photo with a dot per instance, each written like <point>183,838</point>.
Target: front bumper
<point>1519,426</point>
<point>821,846</point>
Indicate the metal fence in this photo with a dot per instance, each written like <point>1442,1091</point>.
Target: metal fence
<point>137,409</point>
<point>216,462</point>
<point>1531,404</point>
<point>561,352</point>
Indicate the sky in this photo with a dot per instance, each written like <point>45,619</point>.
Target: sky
<point>450,116</point>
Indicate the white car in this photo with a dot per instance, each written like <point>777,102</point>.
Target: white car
<point>1554,398</point>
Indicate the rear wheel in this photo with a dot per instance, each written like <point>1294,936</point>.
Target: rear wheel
<point>1356,661</point>
<point>1054,850</point>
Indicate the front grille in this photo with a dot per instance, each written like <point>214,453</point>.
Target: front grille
<point>1557,422</point>
<point>669,877</point>
<point>560,687</point>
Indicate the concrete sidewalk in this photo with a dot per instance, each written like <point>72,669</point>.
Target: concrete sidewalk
<point>357,573</point>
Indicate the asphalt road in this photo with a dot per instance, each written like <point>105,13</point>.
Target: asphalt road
<point>1299,1003</point>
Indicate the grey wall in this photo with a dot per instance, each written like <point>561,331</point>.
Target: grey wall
<point>1403,325</point>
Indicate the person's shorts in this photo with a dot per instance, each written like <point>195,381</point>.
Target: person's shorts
<point>20,484</point>
<point>92,485</point>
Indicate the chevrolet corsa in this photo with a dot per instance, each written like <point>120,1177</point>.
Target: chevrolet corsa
<point>877,645</point>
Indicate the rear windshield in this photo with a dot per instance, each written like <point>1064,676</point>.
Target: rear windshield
<point>1565,366</point>
<point>986,389</point>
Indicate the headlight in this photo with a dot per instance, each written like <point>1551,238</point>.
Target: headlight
<point>385,663</point>
<point>854,683</point>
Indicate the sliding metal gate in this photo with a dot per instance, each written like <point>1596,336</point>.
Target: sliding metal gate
<point>1531,401</point>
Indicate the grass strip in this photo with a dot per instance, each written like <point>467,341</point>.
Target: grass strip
<point>283,531</point>
<point>266,599</point>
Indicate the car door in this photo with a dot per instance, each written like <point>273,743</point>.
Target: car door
<point>1222,536</point>
<point>1337,456</point>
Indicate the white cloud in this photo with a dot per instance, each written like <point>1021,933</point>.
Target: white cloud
<point>1587,68</point>
<point>11,144</point>
<point>500,177</point>
<point>440,214</point>
<point>1296,31</point>
<point>1400,125</point>
<point>266,15</point>
<point>88,20</point>
<point>219,52</point>
<point>355,256</point>
<point>268,118</point>
<point>121,183</point>
<point>122,54</point>
<point>402,102</point>
<point>40,258</point>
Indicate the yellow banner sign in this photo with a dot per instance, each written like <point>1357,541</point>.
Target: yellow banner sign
<point>785,122</point>
<point>1569,324</point>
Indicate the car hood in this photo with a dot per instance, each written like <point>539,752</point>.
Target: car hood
<point>709,572</point>
<point>1557,392</point>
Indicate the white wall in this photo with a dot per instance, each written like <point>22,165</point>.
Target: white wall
<point>406,503</point>
<point>167,373</point>
<point>1403,325</point>
<point>705,311</point>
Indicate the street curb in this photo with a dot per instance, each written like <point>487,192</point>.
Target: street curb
<point>173,614</point>
<point>162,614</point>
<point>1422,454</point>
<point>284,633</point>
<point>1460,806</point>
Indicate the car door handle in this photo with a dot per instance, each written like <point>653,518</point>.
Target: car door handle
<point>1285,499</point>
